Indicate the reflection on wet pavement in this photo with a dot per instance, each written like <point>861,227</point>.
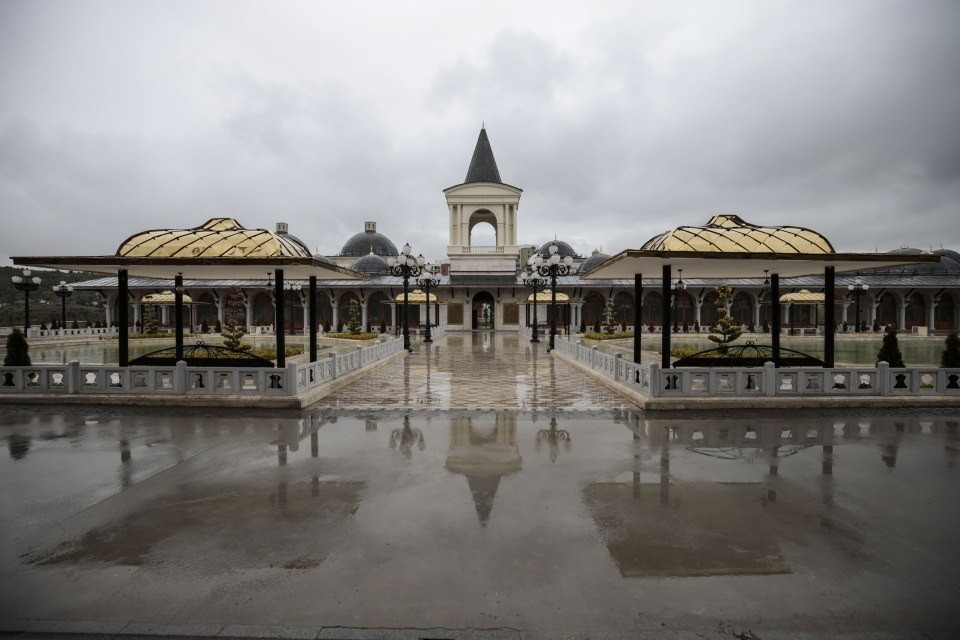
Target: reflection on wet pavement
<point>545,520</point>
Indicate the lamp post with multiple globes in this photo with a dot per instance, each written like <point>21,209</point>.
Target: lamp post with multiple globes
<point>406,266</point>
<point>537,284</point>
<point>551,267</point>
<point>426,284</point>
<point>857,289</point>
<point>63,291</point>
<point>26,283</point>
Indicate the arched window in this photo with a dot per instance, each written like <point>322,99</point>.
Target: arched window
<point>593,305</point>
<point>652,310</point>
<point>683,308</point>
<point>378,310</point>
<point>206,309</point>
<point>945,315</point>
<point>708,310</point>
<point>623,308</point>
<point>343,308</point>
<point>886,310</point>
<point>916,312</point>
<point>741,309</point>
<point>263,315</point>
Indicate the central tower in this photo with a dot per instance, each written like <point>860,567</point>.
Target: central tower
<point>483,198</point>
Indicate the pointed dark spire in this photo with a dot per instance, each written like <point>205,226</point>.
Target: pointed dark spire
<point>483,168</point>
<point>484,490</point>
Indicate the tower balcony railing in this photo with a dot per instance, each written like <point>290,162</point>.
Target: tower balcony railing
<point>483,249</point>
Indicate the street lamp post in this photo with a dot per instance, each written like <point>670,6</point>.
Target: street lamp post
<point>63,291</point>
<point>426,284</point>
<point>292,289</point>
<point>537,284</point>
<point>26,284</point>
<point>857,289</point>
<point>551,267</point>
<point>406,266</point>
<point>677,290</point>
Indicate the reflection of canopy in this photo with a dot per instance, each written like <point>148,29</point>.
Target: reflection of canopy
<point>415,296</point>
<point>164,297</point>
<point>803,296</point>
<point>545,296</point>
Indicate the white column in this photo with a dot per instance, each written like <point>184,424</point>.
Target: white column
<point>931,315</point>
<point>363,315</point>
<point>902,319</point>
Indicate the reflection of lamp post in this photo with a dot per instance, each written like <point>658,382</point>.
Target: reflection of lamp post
<point>26,284</point>
<point>856,289</point>
<point>426,284</point>
<point>677,290</point>
<point>551,267</point>
<point>404,439</point>
<point>553,437</point>
<point>63,291</point>
<point>406,267</point>
<point>536,284</point>
<point>292,289</point>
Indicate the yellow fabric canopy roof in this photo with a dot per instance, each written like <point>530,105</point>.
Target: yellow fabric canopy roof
<point>731,234</point>
<point>215,238</point>
<point>416,295</point>
<point>545,296</point>
<point>803,296</point>
<point>164,297</point>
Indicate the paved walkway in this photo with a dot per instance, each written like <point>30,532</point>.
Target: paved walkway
<point>477,371</point>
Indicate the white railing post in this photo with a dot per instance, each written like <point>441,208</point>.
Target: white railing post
<point>293,381</point>
<point>769,379</point>
<point>333,365</point>
<point>616,366</point>
<point>180,377</point>
<point>883,378</point>
<point>73,377</point>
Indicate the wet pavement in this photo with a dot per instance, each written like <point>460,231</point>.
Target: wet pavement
<point>426,498</point>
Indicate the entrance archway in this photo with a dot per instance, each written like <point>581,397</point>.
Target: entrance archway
<point>483,311</point>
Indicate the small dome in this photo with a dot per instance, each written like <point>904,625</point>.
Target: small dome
<point>949,262</point>
<point>729,233</point>
<point>321,258</point>
<point>563,249</point>
<point>596,259</point>
<point>369,241</point>
<point>371,263</point>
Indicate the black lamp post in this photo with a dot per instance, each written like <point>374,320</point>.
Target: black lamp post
<point>406,267</point>
<point>537,284</point>
<point>857,289</point>
<point>676,292</point>
<point>551,267</point>
<point>426,284</point>
<point>26,284</point>
<point>63,291</point>
<point>292,290</point>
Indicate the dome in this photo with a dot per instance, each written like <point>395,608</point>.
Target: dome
<point>371,263</point>
<point>369,241</point>
<point>949,262</point>
<point>216,238</point>
<point>563,249</point>
<point>595,260</point>
<point>321,258</point>
<point>731,234</point>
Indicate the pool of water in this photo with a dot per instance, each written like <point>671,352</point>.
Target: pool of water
<point>916,351</point>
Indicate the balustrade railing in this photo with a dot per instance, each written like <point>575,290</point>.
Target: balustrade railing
<point>764,381</point>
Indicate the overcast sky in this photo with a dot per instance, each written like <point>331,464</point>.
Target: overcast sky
<point>619,120</point>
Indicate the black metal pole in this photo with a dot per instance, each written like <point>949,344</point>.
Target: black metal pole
<point>406,314</point>
<point>536,332</point>
<point>665,333</point>
<point>177,314</point>
<point>775,317</point>
<point>26,312</point>
<point>426,336</point>
<point>553,306</point>
<point>312,313</point>
<point>829,302</point>
<point>124,338</point>
<point>279,321</point>
<point>637,325</point>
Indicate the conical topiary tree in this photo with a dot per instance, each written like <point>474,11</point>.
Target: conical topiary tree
<point>726,329</point>
<point>890,350</point>
<point>353,317</point>
<point>18,351</point>
<point>950,359</point>
<point>234,318</point>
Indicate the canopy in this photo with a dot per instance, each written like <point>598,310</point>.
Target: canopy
<point>803,297</point>
<point>416,295</point>
<point>546,296</point>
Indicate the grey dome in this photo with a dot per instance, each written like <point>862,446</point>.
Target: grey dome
<point>563,249</point>
<point>321,258</point>
<point>596,259</point>
<point>369,241</point>
<point>949,262</point>
<point>371,263</point>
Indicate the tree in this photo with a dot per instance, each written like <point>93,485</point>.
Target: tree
<point>353,317</point>
<point>950,359</point>
<point>609,314</point>
<point>890,349</point>
<point>204,327</point>
<point>234,318</point>
<point>18,351</point>
<point>150,325</point>
<point>726,329</point>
